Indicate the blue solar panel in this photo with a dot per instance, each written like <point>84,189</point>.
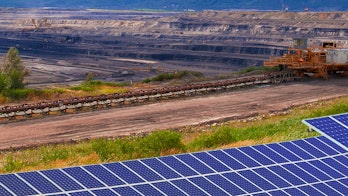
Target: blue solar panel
<point>82,193</point>
<point>309,148</point>
<point>178,166</point>
<point>237,154</point>
<point>327,169</point>
<point>314,171</point>
<point>338,186</point>
<point>257,156</point>
<point>314,166</point>
<point>208,186</point>
<point>257,179</point>
<point>195,164</point>
<point>143,171</point>
<point>242,182</point>
<point>284,152</point>
<point>16,185</point>
<point>124,173</point>
<point>278,193</point>
<point>62,180</point>
<point>226,185</point>
<point>104,175</point>
<point>324,188</point>
<point>147,189</point>
<point>296,150</point>
<point>103,192</point>
<point>83,177</point>
<point>188,187</point>
<point>227,160</point>
<point>270,153</point>
<point>291,178</point>
<point>275,179</point>
<point>211,161</point>
<point>321,145</point>
<point>295,191</point>
<point>338,166</point>
<point>334,127</point>
<point>168,189</point>
<point>4,192</point>
<point>343,118</point>
<point>39,182</point>
<point>162,169</point>
<point>301,173</point>
<point>126,190</point>
<point>310,190</point>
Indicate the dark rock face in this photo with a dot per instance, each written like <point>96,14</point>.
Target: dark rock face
<point>69,46</point>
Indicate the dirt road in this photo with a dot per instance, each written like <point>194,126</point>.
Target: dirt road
<point>169,114</point>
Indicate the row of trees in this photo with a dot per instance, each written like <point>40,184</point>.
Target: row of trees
<point>12,71</point>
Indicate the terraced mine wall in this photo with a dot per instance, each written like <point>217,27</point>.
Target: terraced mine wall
<point>67,44</point>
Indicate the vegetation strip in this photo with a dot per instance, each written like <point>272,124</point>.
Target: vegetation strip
<point>251,131</point>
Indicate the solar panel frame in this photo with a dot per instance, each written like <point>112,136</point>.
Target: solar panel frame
<point>324,125</point>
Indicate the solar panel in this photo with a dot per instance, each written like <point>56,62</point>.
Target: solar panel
<point>333,127</point>
<point>314,166</point>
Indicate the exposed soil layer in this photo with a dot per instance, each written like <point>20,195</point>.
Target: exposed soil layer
<point>61,46</point>
<point>168,114</point>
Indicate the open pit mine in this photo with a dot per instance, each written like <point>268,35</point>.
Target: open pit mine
<point>62,46</point>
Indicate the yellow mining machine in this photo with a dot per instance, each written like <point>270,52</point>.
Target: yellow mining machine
<point>316,61</point>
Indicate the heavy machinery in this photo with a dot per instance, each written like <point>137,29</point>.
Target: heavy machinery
<point>318,61</point>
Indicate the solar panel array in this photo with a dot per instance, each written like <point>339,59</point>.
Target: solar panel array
<point>334,127</point>
<point>314,166</point>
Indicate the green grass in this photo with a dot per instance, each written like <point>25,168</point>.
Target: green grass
<point>170,76</point>
<point>257,68</point>
<point>27,93</point>
<point>93,85</point>
<point>262,129</point>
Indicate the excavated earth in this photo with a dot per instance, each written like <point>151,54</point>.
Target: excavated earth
<point>61,46</point>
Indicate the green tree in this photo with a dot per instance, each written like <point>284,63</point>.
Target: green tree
<point>12,71</point>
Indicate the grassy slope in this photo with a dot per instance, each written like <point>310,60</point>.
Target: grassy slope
<point>263,129</point>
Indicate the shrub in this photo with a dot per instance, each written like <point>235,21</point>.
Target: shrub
<point>13,68</point>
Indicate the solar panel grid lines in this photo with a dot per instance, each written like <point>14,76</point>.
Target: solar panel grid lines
<point>5,191</point>
<point>149,169</point>
<point>257,170</point>
<point>41,182</point>
<point>154,171</point>
<point>75,180</point>
<point>212,161</point>
<point>332,127</point>
<point>191,167</point>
